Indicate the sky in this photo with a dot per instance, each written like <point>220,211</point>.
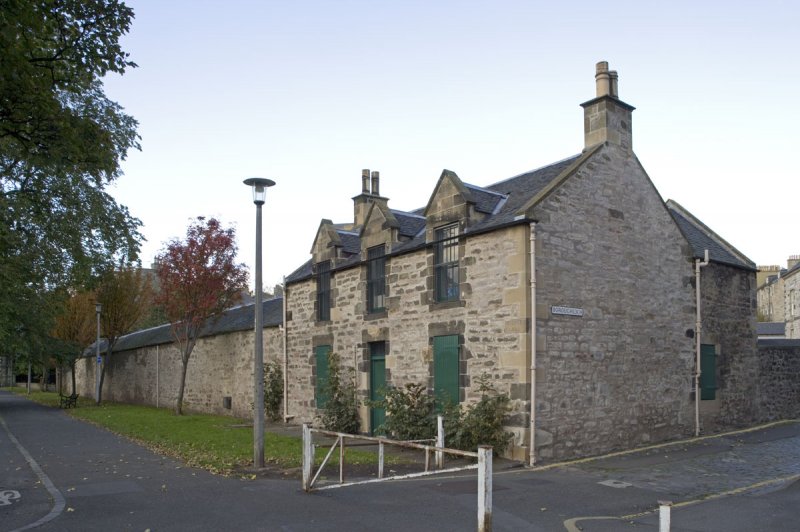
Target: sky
<point>309,93</point>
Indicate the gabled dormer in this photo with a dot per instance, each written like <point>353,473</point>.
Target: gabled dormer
<point>381,227</point>
<point>451,202</point>
<point>327,244</point>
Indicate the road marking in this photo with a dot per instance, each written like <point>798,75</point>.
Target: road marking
<point>7,496</point>
<point>615,483</point>
<point>58,499</point>
<point>571,524</point>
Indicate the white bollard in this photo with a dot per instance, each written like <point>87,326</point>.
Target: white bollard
<point>439,442</point>
<point>308,457</point>
<point>484,488</point>
<point>664,508</point>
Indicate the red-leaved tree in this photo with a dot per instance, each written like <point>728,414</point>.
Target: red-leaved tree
<point>199,279</point>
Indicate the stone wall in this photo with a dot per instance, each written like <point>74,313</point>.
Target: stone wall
<point>792,304</point>
<point>620,374</point>
<point>728,306</point>
<point>490,319</point>
<point>220,366</point>
<point>771,301</point>
<point>779,379</point>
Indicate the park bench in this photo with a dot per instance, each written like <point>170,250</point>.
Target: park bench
<point>68,401</point>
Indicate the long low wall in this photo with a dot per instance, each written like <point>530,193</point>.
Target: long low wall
<point>779,379</point>
<point>220,366</point>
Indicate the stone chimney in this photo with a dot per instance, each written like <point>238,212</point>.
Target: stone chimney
<point>370,193</point>
<point>792,261</point>
<point>606,118</point>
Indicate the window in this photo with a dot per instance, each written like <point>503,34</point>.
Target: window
<point>376,279</point>
<point>321,353</point>
<point>708,372</point>
<point>445,369</point>
<point>446,263</point>
<point>324,291</point>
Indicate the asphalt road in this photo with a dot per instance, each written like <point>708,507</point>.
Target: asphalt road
<point>58,473</point>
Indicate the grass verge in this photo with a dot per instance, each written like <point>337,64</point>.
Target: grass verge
<point>220,444</point>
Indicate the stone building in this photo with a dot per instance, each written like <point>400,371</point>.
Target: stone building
<point>779,295</point>
<point>597,349</point>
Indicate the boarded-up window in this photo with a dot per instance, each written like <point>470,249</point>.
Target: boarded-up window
<point>321,353</point>
<point>445,369</point>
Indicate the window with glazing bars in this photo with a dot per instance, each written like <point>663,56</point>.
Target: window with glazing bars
<point>446,263</point>
<point>376,279</point>
<point>324,291</point>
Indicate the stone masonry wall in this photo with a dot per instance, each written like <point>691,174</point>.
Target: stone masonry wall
<point>220,366</point>
<point>490,319</point>
<point>619,375</point>
<point>779,380</point>
<point>792,304</point>
<point>728,306</point>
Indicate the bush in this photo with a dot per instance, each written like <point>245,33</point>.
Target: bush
<point>340,413</point>
<point>480,423</point>
<point>273,391</point>
<point>410,412</point>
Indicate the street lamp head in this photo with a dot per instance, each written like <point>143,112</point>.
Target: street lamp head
<point>259,185</point>
<point>98,308</point>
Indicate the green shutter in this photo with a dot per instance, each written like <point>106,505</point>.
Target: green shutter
<point>445,368</point>
<point>321,353</point>
<point>708,372</point>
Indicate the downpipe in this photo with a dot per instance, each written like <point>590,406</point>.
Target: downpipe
<point>697,332</point>
<point>532,449</point>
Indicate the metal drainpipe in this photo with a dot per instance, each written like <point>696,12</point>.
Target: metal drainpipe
<point>697,330</point>
<point>532,451</point>
<point>285,358</point>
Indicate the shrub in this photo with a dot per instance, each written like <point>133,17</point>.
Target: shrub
<point>410,412</point>
<point>273,390</point>
<point>478,424</point>
<point>340,412</point>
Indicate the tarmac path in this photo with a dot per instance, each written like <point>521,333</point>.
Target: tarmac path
<point>743,481</point>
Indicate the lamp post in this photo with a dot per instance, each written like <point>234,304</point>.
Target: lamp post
<point>97,309</point>
<point>259,186</point>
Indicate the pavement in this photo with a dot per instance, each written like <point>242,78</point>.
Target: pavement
<point>59,473</point>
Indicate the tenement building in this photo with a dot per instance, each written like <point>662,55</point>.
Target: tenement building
<point>610,318</point>
<point>779,296</point>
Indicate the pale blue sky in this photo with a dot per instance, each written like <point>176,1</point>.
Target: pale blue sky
<point>309,93</point>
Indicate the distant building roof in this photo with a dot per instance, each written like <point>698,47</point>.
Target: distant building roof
<point>770,328</point>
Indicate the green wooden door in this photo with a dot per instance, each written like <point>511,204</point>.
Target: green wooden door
<point>321,353</point>
<point>708,372</point>
<point>377,383</point>
<point>445,369</point>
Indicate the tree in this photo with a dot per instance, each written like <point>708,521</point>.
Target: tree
<point>75,328</point>
<point>61,143</point>
<point>125,295</point>
<point>199,278</point>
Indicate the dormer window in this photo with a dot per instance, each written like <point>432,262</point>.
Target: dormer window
<point>446,263</point>
<point>376,279</point>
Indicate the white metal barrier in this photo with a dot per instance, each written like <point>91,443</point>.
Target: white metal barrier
<point>484,465</point>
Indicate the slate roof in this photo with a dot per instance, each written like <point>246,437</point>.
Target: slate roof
<point>771,328</point>
<point>239,318</point>
<point>700,238</point>
<point>778,342</point>
<point>351,243</point>
<point>410,224</point>
<point>500,201</point>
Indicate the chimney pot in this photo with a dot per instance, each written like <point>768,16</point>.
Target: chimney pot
<point>376,176</point>
<point>602,78</point>
<point>365,181</point>
<point>614,85</point>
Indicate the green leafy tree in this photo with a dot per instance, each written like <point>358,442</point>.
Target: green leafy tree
<point>61,143</point>
<point>198,279</point>
<point>125,294</point>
